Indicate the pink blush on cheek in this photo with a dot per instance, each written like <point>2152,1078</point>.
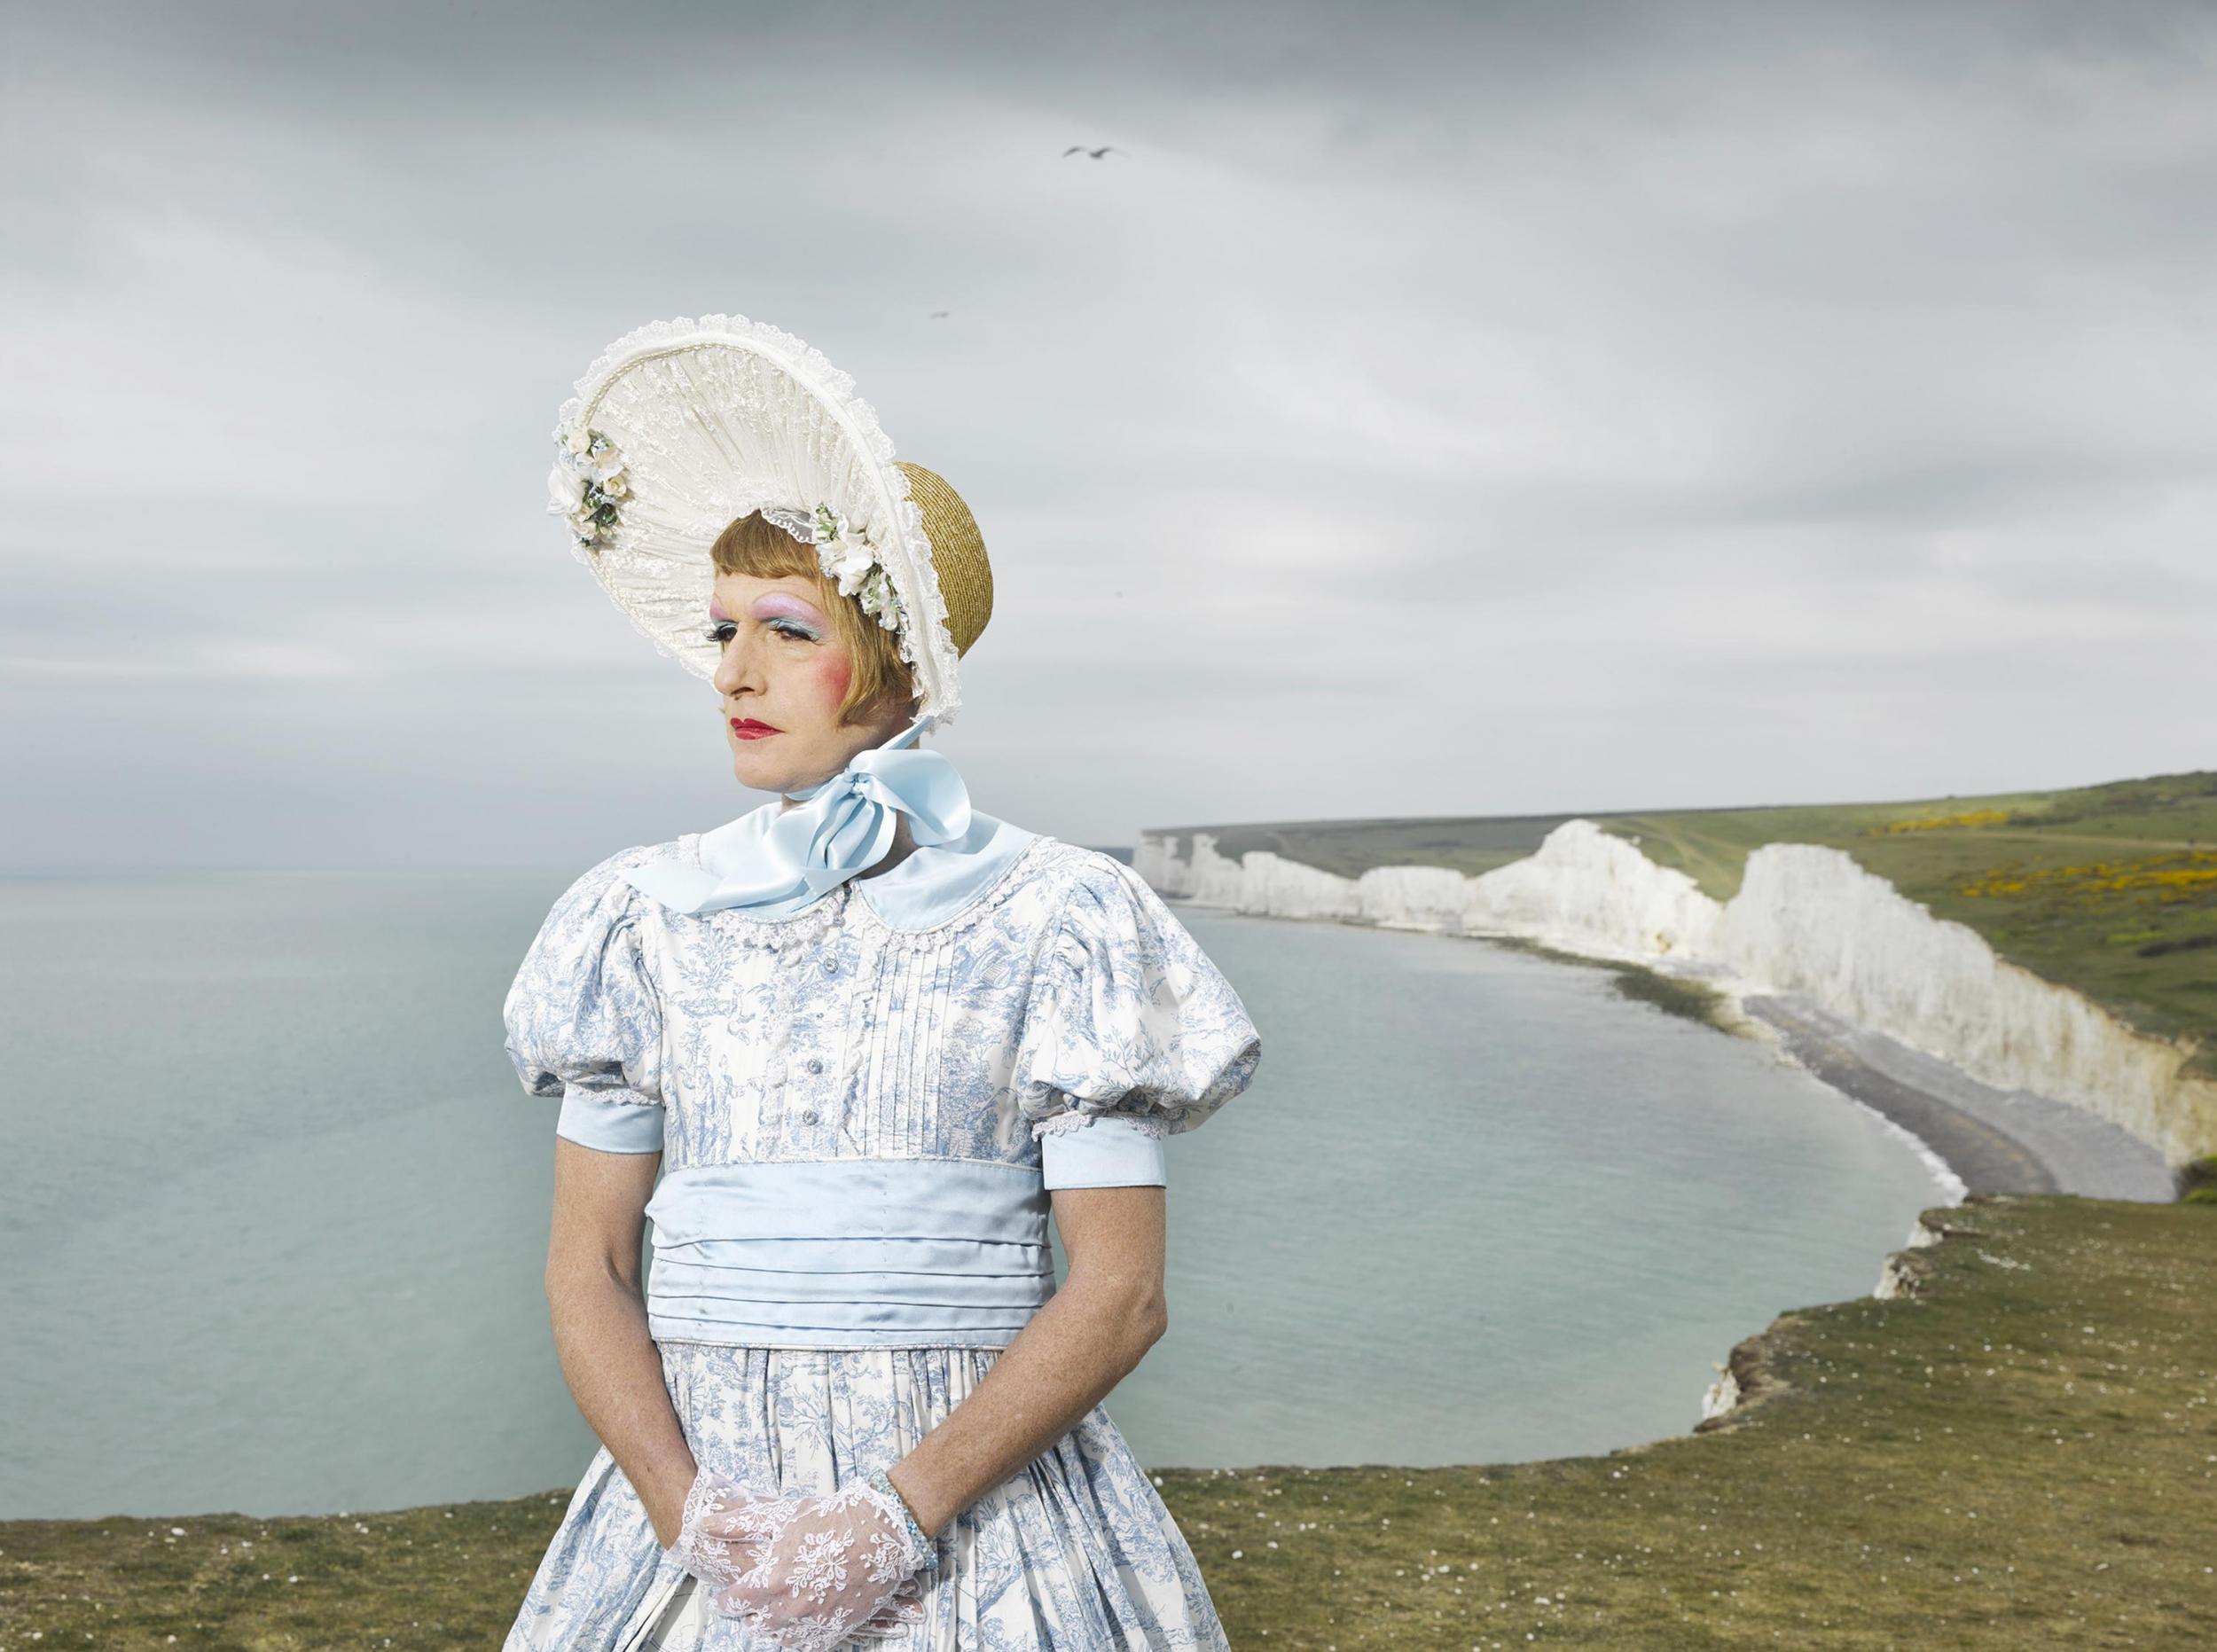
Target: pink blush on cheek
<point>833,675</point>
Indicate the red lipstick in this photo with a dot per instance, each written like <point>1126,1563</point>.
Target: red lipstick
<point>750,728</point>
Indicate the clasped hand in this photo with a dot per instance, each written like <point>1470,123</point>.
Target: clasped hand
<point>808,1573</point>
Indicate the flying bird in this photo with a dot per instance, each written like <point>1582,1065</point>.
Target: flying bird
<point>1080,149</point>
<point>938,314</point>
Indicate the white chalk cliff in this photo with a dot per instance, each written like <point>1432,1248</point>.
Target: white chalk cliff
<point>1806,920</point>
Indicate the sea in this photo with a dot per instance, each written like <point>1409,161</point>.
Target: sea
<point>274,1208</point>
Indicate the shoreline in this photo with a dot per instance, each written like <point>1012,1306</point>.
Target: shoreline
<point>1975,1141</point>
<point>1803,917</point>
<point>1974,1137</point>
<point>1991,1140</point>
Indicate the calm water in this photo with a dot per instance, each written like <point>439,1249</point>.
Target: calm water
<point>273,1209</point>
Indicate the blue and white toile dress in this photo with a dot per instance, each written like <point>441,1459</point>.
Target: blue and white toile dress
<point>862,1108</point>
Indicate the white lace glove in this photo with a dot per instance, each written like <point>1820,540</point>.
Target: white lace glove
<point>833,1566</point>
<point>724,1523</point>
<point>724,1532</point>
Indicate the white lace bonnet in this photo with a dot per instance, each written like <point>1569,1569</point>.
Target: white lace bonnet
<point>682,427</point>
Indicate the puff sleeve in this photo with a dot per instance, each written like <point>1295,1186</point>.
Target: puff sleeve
<point>1131,1034</point>
<point>583,1022</point>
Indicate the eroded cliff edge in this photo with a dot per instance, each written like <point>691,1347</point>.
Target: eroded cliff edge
<point>1806,921</point>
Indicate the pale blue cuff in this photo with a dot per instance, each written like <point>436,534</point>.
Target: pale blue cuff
<point>1114,1151</point>
<point>597,1119</point>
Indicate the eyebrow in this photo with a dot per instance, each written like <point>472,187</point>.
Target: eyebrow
<point>771,604</point>
<point>784,602</point>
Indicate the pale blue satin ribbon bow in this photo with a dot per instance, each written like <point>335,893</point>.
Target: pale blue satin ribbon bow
<point>839,827</point>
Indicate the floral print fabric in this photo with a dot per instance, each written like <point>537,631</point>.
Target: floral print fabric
<point>1066,987</point>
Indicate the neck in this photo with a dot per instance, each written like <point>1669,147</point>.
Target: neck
<point>904,846</point>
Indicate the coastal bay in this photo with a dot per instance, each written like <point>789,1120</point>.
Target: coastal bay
<point>2022,974</point>
<point>352,1242</point>
<point>2042,1351</point>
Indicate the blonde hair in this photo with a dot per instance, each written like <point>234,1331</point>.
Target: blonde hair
<point>762,550</point>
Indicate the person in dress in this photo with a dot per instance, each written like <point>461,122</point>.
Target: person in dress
<point>849,1053</point>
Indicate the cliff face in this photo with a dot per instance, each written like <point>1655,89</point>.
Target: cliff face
<point>1806,920</point>
<point>1809,920</point>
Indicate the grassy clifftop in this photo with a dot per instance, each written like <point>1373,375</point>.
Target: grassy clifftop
<point>2110,890</point>
<point>2020,1452</point>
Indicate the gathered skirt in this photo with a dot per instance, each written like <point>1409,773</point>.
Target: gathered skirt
<point>1074,1553</point>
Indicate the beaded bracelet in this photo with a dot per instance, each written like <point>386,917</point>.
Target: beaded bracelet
<point>879,1478</point>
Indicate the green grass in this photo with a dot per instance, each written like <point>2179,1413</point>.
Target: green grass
<point>2110,890</point>
<point>2198,1181</point>
<point>1673,995</point>
<point>2021,1453</point>
<point>433,1577</point>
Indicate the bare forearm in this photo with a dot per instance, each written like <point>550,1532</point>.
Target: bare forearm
<point>1083,1340</point>
<point>615,1373</point>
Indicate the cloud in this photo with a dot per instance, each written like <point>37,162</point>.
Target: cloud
<point>1428,409</point>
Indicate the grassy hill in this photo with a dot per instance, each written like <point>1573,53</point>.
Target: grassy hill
<point>2110,890</point>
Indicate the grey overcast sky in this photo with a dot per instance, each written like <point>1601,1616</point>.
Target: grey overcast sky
<point>1437,410</point>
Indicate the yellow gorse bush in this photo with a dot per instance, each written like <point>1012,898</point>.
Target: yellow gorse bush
<point>2169,878</point>
<point>1936,823</point>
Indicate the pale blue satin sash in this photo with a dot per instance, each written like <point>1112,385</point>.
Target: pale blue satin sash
<point>849,1253</point>
<point>773,859</point>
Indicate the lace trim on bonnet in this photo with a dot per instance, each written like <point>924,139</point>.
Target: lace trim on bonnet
<point>926,604</point>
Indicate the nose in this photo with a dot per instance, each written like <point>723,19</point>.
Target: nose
<point>736,669</point>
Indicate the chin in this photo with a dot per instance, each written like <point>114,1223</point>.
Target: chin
<point>775,777</point>
<point>752,772</point>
